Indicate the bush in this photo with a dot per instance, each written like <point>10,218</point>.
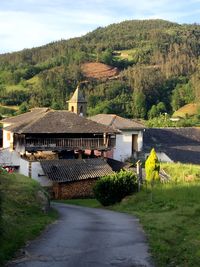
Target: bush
<point>112,188</point>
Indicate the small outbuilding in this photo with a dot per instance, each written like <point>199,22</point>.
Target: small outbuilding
<point>74,178</point>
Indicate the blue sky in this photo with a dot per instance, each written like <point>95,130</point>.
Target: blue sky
<point>31,23</point>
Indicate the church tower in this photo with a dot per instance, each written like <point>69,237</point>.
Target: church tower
<point>77,103</point>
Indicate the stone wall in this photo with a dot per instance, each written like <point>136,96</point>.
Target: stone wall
<point>76,189</point>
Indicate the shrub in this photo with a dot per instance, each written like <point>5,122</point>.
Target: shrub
<point>152,167</point>
<point>112,188</point>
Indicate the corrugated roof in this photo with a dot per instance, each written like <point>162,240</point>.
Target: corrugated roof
<point>68,170</point>
<point>117,122</point>
<point>77,97</point>
<point>59,121</point>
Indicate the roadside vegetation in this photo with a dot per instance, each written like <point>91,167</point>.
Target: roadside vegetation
<point>169,213</point>
<point>114,187</point>
<point>21,213</point>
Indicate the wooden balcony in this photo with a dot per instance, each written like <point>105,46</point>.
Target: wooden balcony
<point>58,144</point>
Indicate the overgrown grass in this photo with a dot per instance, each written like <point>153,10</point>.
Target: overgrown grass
<point>86,202</point>
<point>22,215</point>
<point>171,219</point>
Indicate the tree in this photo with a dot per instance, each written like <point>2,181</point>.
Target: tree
<point>152,167</point>
<point>107,57</point>
<point>23,108</point>
<point>139,105</point>
<point>153,112</point>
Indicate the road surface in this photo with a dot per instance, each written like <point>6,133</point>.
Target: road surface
<point>86,237</point>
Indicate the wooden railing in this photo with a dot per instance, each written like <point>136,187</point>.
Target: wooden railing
<point>69,143</point>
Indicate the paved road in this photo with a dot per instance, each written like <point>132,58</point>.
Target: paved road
<point>86,237</point>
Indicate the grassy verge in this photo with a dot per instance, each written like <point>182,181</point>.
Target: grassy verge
<point>87,202</point>
<point>172,219</point>
<point>22,215</point>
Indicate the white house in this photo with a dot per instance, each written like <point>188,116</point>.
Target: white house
<point>129,139</point>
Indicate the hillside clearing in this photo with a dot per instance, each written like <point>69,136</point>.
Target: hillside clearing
<point>187,110</point>
<point>99,70</point>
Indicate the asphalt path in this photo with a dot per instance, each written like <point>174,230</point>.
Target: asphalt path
<point>86,237</point>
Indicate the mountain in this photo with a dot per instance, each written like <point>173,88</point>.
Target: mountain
<point>150,67</point>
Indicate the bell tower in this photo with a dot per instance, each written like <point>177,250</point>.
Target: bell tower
<point>77,103</point>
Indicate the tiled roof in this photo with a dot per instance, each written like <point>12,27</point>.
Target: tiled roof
<point>68,170</point>
<point>58,121</point>
<point>117,122</point>
<point>180,144</point>
<point>26,117</point>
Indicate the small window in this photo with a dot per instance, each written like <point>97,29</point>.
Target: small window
<point>81,109</point>
<point>8,136</point>
<point>72,109</point>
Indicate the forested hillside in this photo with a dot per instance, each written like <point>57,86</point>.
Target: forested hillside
<point>156,61</point>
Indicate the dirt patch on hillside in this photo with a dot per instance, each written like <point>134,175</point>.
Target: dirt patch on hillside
<point>99,71</point>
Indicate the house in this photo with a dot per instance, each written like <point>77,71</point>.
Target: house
<point>174,144</point>
<point>129,137</point>
<point>46,134</point>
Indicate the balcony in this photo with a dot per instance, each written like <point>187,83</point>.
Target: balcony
<point>58,144</point>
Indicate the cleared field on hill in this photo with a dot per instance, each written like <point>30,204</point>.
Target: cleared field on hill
<point>99,70</point>
<point>189,109</point>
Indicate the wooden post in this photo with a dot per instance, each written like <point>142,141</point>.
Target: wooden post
<point>139,173</point>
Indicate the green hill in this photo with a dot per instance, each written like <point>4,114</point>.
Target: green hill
<point>157,61</point>
<point>21,212</point>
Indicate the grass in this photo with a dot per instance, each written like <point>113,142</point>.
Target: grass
<point>87,202</point>
<point>171,220</point>
<point>22,215</point>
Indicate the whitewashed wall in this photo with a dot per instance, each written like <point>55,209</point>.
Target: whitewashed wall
<point>123,148</point>
<point>7,143</point>
<point>23,169</point>
<point>35,171</point>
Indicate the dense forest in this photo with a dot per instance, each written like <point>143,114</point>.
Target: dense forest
<point>158,63</point>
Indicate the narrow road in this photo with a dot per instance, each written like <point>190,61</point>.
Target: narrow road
<point>86,237</point>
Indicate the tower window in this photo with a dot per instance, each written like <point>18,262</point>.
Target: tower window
<point>72,109</point>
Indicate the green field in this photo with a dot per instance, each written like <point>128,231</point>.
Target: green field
<point>170,215</point>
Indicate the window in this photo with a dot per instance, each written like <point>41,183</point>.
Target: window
<point>72,109</point>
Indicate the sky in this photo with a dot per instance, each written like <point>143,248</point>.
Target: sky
<point>32,23</point>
